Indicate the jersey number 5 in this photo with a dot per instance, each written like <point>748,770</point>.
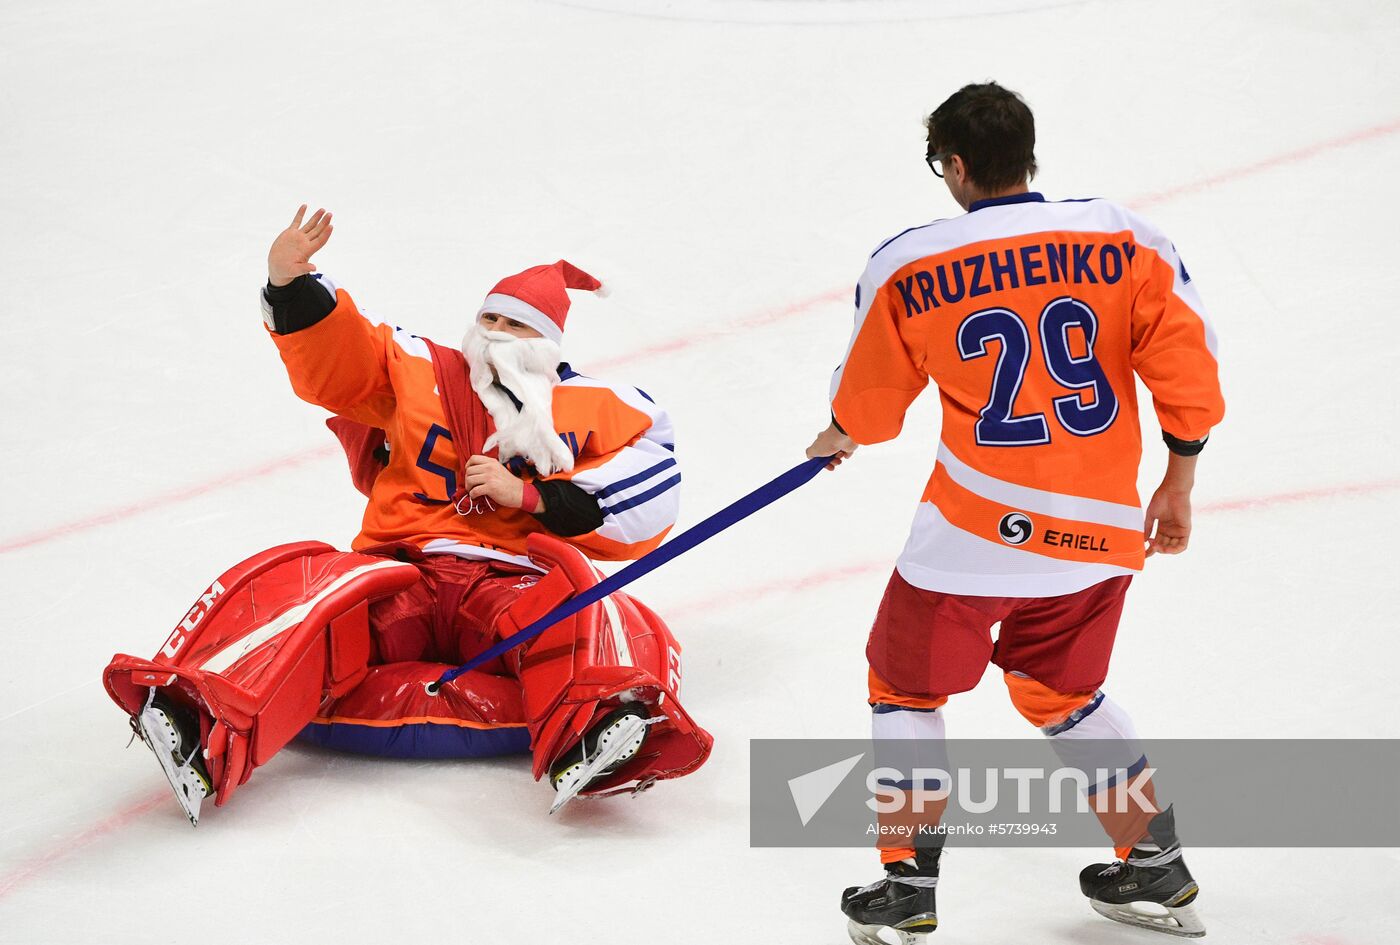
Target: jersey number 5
<point>425,463</point>
<point>997,425</point>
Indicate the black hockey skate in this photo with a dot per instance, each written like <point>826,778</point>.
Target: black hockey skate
<point>171,731</point>
<point>902,901</point>
<point>604,748</point>
<point>1151,889</point>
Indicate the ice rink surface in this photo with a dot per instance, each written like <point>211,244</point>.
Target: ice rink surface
<point>727,165</point>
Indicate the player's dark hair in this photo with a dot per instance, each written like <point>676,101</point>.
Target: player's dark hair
<point>992,129</point>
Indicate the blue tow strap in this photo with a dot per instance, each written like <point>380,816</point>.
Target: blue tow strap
<point>731,514</point>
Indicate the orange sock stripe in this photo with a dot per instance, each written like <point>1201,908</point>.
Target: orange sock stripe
<point>895,854</point>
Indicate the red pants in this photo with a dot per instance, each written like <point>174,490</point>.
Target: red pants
<point>448,616</point>
<point>929,645</point>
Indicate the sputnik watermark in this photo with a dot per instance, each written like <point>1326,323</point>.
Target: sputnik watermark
<point>812,790</point>
<point>1073,792</point>
<point>894,792</point>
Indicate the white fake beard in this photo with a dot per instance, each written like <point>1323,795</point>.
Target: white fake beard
<point>525,367</point>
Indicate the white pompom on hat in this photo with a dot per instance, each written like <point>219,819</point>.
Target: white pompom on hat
<point>537,296</point>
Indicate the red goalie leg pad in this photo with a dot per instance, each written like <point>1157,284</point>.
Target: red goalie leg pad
<point>261,648</point>
<point>615,650</point>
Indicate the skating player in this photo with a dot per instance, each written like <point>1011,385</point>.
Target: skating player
<point>1032,317</point>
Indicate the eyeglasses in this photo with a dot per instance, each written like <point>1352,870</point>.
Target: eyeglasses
<point>935,159</point>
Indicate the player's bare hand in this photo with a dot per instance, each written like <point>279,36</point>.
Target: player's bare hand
<point>487,477</point>
<point>1168,526</point>
<point>290,255</point>
<point>832,442</point>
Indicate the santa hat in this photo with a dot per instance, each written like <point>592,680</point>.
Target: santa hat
<point>536,297</point>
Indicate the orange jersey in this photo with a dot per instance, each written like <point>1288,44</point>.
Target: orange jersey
<point>1032,318</point>
<point>374,373</point>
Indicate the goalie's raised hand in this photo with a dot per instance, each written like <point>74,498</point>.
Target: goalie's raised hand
<point>290,255</point>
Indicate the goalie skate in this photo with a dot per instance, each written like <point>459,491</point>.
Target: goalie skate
<point>172,734</point>
<point>601,751</point>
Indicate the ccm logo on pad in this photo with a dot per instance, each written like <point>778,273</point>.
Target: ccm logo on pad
<point>198,612</point>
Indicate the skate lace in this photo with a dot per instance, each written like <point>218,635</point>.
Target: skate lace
<point>921,882</point>
<point>1113,869</point>
<point>1148,859</point>
<point>872,887</point>
<point>189,756</point>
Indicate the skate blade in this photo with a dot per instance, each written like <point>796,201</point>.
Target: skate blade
<point>1172,920</point>
<point>188,787</point>
<point>923,925</point>
<point>623,738</point>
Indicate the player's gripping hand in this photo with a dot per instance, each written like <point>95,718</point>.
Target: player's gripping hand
<point>290,255</point>
<point>1168,526</point>
<point>832,442</point>
<point>486,477</point>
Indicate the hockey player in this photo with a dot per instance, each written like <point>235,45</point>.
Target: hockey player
<point>485,468</point>
<point>1032,318</point>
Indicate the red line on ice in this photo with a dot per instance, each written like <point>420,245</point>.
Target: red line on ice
<point>169,498</point>
<point>766,317</point>
<point>815,579</point>
<point>69,845</point>
<point>64,848</point>
<point>1304,153</point>
<point>1301,495</point>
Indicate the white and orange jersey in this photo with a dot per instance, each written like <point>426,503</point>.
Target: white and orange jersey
<point>374,373</point>
<point>1031,317</point>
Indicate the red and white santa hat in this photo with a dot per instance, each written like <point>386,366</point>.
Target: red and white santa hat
<point>537,296</point>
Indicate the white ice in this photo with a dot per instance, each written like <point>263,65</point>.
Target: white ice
<point>726,165</point>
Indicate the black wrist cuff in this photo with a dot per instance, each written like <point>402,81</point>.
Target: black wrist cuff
<point>839,429</point>
<point>297,305</point>
<point>1184,447</point>
<point>568,509</point>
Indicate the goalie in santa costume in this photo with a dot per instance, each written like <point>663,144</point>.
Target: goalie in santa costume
<point>493,473</point>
